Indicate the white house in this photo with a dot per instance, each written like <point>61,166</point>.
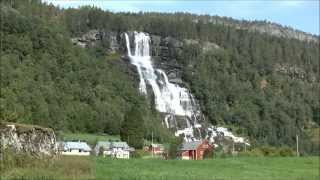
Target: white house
<point>103,148</point>
<point>76,148</point>
<point>119,150</point>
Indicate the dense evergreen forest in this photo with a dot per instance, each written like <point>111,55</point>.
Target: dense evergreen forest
<point>263,87</point>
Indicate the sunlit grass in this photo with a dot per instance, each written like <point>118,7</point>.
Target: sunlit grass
<point>232,168</point>
<point>242,168</point>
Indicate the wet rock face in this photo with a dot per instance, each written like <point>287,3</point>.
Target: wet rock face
<point>164,51</point>
<point>34,140</point>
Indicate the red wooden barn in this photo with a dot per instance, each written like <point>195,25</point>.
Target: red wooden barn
<point>194,150</point>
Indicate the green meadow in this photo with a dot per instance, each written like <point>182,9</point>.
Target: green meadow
<point>231,168</point>
<point>240,168</point>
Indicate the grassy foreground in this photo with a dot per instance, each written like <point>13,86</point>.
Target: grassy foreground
<point>64,167</point>
<point>241,168</point>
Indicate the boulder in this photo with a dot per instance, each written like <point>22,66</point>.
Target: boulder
<point>34,140</point>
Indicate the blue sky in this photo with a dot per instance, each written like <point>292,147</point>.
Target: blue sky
<point>299,14</point>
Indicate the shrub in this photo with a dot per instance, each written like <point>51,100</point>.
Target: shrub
<point>286,151</point>
<point>208,154</point>
<point>138,154</point>
<point>269,151</point>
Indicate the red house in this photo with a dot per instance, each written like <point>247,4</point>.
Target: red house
<point>194,150</point>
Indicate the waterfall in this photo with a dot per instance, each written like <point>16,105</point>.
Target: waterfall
<point>170,98</point>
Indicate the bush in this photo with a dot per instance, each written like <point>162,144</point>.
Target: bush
<point>219,153</point>
<point>268,151</point>
<point>286,151</point>
<point>208,154</point>
<point>139,154</point>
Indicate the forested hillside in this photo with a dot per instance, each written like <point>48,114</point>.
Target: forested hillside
<point>262,86</point>
<point>46,80</point>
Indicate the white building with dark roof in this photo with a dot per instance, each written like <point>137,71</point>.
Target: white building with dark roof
<point>119,150</point>
<point>102,148</point>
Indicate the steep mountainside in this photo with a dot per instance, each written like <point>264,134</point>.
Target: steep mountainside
<point>261,86</point>
<point>261,27</point>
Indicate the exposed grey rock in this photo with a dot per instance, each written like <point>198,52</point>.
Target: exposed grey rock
<point>111,39</point>
<point>172,42</point>
<point>87,39</point>
<point>209,46</point>
<point>293,71</point>
<point>34,140</point>
<point>269,28</point>
<point>155,41</point>
<point>190,41</point>
<point>279,31</point>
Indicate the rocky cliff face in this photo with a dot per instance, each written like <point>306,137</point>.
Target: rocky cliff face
<point>35,140</point>
<point>277,30</point>
<point>272,29</point>
<point>163,50</point>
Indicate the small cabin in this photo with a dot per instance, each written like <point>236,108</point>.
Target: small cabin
<point>103,148</point>
<point>120,150</point>
<point>194,150</point>
<point>76,148</point>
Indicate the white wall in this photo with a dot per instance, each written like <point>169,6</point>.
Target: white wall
<point>75,152</point>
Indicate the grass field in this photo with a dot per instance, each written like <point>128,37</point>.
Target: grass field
<point>64,168</point>
<point>241,168</point>
<point>237,168</point>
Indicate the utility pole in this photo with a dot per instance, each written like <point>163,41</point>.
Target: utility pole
<point>245,147</point>
<point>152,142</point>
<point>233,147</point>
<point>297,141</point>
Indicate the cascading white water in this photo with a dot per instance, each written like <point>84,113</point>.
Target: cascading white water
<point>169,98</point>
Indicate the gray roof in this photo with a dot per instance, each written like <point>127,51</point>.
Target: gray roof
<point>76,145</point>
<point>109,145</point>
<point>119,145</point>
<point>103,144</point>
<point>190,145</point>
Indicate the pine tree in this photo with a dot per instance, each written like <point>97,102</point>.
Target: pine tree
<point>132,129</point>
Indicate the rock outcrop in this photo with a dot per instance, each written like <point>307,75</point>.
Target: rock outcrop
<point>109,40</point>
<point>294,72</point>
<point>34,140</point>
<point>264,27</point>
